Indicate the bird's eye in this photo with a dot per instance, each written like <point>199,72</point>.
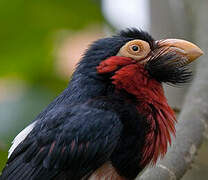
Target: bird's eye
<point>135,49</point>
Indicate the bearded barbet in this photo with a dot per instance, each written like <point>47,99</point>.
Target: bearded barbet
<point>113,119</point>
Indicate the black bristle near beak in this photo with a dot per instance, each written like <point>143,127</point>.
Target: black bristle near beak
<point>166,68</point>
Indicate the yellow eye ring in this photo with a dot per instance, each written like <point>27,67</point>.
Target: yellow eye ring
<point>135,49</point>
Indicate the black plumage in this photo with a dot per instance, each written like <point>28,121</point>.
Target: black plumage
<point>91,122</point>
<point>83,126</point>
<point>71,141</point>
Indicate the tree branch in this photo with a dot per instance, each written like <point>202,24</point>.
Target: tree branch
<point>193,120</point>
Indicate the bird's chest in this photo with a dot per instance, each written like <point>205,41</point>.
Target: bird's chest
<point>145,136</point>
<point>127,156</point>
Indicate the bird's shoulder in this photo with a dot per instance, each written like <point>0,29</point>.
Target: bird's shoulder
<point>76,137</point>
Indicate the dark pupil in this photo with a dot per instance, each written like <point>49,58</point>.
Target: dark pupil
<point>135,48</point>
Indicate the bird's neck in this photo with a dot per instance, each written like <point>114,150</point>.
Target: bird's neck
<point>82,87</point>
<point>151,102</point>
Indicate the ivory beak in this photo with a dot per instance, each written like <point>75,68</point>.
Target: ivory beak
<point>182,47</point>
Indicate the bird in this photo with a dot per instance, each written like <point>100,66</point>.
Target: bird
<point>113,119</point>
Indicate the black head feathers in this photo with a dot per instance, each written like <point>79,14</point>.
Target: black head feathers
<point>134,33</point>
<point>107,47</point>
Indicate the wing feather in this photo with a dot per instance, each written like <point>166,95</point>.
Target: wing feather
<point>68,142</point>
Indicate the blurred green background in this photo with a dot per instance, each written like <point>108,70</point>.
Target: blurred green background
<point>42,40</point>
<point>29,33</point>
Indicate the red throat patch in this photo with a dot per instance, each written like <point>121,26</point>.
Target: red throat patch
<point>134,79</point>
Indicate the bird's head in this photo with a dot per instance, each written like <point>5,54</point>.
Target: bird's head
<point>164,60</point>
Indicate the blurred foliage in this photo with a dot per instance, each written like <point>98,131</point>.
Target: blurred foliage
<point>3,157</point>
<point>27,32</point>
<point>18,113</point>
<point>27,40</point>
